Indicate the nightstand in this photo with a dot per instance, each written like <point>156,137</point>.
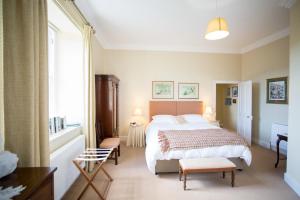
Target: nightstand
<point>136,135</point>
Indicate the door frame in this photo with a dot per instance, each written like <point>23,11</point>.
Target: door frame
<point>214,94</point>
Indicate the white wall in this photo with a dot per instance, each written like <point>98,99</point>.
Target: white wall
<point>292,176</point>
<point>66,172</point>
<point>137,70</point>
<point>270,61</point>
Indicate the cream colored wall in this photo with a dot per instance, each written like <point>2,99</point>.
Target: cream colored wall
<point>98,54</point>
<point>269,61</point>
<point>137,70</point>
<point>293,162</point>
<point>227,115</point>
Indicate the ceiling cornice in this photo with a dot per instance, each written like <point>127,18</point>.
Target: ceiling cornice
<point>173,49</point>
<point>266,40</point>
<point>259,43</point>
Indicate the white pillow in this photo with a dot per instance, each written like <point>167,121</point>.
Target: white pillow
<point>194,118</point>
<point>164,119</point>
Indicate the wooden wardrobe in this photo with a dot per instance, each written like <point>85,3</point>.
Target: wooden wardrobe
<point>107,98</point>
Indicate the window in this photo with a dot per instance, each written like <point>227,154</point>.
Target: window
<point>51,61</point>
<point>65,69</point>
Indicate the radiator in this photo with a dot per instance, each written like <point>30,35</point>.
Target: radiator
<point>66,172</point>
<point>279,129</point>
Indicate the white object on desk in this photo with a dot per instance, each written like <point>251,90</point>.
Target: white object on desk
<point>10,192</point>
<point>136,135</point>
<point>8,163</point>
<point>282,130</point>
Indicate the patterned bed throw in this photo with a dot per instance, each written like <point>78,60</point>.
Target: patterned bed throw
<point>197,139</point>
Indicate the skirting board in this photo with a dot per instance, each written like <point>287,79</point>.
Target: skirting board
<point>123,138</point>
<point>292,183</point>
<point>267,145</point>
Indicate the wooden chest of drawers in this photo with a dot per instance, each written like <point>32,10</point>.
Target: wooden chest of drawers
<point>38,181</point>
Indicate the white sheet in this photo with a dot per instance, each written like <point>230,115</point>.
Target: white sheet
<point>153,152</point>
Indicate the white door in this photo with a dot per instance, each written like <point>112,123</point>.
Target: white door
<point>245,117</point>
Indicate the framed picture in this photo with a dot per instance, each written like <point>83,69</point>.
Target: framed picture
<point>277,90</point>
<point>162,89</point>
<point>188,90</point>
<point>227,102</point>
<point>234,101</point>
<point>235,91</point>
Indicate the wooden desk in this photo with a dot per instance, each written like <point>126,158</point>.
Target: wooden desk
<point>280,137</point>
<point>38,181</point>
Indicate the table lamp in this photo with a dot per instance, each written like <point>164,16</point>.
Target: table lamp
<point>209,113</point>
<point>137,113</point>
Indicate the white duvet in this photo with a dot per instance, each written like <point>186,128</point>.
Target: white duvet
<point>153,152</point>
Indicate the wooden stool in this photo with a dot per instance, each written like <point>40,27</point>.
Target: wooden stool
<point>112,143</point>
<point>93,155</point>
<point>205,165</point>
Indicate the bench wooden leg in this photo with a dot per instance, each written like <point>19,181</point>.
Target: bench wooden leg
<point>119,151</point>
<point>180,173</point>
<point>224,175</point>
<point>232,178</point>
<point>184,181</point>
<point>116,156</point>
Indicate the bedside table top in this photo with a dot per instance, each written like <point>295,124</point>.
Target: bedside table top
<point>136,125</point>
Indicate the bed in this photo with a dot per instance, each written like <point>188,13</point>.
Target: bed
<point>159,161</point>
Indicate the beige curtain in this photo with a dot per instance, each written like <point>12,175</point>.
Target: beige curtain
<point>89,89</point>
<point>71,10</point>
<point>26,80</point>
<point>1,82</point>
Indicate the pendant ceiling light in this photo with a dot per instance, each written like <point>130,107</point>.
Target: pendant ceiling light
<point>217,28</point>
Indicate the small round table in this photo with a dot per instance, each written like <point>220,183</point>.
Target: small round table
<point>136,135</point>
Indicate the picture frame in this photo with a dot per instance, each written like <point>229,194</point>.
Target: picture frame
<point>235,91</point>
<point>188,90</point>
<point>227,102</point>
<point>162,89</point>
<point>277,90</point>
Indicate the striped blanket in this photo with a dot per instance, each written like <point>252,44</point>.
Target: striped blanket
<point>171,140</point>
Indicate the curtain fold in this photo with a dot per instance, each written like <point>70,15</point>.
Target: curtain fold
<point>89,90</point>
<point>1,82</point>
<point>25,28</point>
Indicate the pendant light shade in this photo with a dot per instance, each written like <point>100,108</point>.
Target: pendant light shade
<point>217,29</point>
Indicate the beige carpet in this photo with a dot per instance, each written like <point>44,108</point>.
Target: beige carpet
<point>132,180</point>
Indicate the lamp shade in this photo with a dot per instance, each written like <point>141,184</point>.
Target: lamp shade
<point>217,29</point>
<point>208,110</point>
<point>137,112</point>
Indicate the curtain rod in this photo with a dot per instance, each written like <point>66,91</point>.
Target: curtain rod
<point>83,17</point>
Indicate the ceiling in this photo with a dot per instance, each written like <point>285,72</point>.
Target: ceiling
<point>180,25</point>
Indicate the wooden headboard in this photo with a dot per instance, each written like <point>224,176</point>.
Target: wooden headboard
<point>175,108</point>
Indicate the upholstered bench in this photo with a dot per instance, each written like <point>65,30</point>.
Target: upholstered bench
<point>205,165</point>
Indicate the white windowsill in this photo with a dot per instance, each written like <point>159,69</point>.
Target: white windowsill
<point>61,138</point>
